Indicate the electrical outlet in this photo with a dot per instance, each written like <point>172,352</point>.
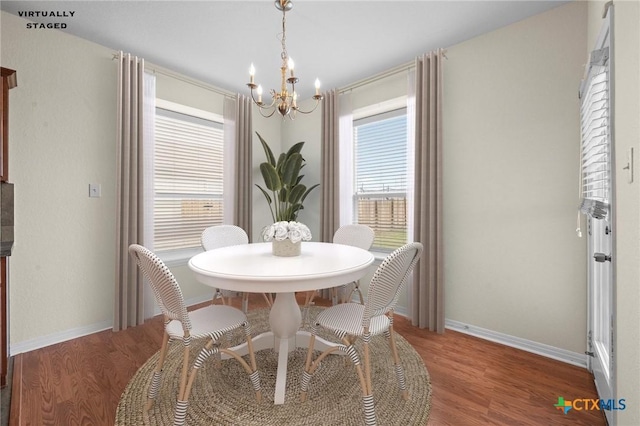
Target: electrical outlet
<point>95,191</point>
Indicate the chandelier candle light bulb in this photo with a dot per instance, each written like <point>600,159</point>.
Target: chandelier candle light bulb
<point>290,64</point>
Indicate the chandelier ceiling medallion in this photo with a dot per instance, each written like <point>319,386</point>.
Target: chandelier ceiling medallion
<point>285,101</point>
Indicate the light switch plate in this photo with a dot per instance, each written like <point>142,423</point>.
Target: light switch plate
<point>95,191</point>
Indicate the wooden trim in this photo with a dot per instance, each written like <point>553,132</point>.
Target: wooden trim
<point>9,81</point>
<point>10,75</point>
<point>4,345</point>
<point>15,410</point>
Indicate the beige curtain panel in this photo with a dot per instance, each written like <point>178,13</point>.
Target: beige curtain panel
<point>427,297</point>
<point>129,194</point>
<point>330,167</point>
<point>244,173</point>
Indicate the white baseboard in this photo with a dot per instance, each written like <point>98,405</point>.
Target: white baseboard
<point>542,349</point>
<point>62,336</point>
<point>74,333</point>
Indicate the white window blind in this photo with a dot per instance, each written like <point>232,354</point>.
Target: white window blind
<point>595,144</point>
<point>380,178</point>
<point>188,179</point>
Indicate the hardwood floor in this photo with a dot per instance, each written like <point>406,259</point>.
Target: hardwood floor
<point>474,382</point>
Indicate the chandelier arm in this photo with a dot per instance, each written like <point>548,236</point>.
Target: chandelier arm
<point>317,98</point>
<point>261,104</point>
<point>260,109</point>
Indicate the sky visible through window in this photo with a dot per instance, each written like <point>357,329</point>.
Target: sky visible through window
<point>381,155</point>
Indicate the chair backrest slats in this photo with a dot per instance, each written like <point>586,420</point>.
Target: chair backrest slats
<point>389,279</point>
<point>164,285</point>
<point>223,236</point>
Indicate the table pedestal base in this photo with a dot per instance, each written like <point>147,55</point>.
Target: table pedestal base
<point>285,336</point>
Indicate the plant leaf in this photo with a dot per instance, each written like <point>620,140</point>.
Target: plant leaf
<point>291,169</point>
<point>295,149</point>
<point>270,176</point>
<point>296,193</point>
<point>267,151</point>
<point>283,195</point>
<point>266,194</point>
<point>280,163</point>
<point>268,197</point>
<point>308,191</point>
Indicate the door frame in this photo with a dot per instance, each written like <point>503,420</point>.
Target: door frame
<point>605,390</point>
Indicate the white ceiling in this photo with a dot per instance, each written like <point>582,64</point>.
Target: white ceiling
<point>340,42</point>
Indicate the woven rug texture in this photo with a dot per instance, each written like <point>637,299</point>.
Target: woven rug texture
<point>224,395</point>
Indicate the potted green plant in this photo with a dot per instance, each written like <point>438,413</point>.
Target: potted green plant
<point>283,189</point>
<point>285,194</point>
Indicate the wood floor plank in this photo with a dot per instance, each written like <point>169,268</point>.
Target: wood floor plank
<point>474,382</point>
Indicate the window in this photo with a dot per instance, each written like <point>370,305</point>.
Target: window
<point>187,176</point>
<point>595,146</point>
<point>380,177</point>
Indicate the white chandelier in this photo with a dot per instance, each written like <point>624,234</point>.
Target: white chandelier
<point>285,101</point>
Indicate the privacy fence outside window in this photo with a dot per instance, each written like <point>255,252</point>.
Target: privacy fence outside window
<point>188,179</point>
<point>380,177</point>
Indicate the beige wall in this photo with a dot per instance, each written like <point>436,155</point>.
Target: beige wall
<point>513,262</point>
<point>62,137</point>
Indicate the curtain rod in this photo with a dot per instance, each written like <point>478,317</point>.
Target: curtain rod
<point>157,69</point>
<point>384,74</point>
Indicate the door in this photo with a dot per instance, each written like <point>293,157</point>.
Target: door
<point>598,186</point>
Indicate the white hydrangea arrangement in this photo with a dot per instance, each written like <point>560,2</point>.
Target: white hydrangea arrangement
<point>280,231</point>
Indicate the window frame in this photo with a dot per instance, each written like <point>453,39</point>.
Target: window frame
<point>176,257</point>
<point>387,109</point>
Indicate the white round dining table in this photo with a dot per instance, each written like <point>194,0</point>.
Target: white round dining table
<point>253,268</point>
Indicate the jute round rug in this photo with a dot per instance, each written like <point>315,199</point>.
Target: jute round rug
<point>224,396</point>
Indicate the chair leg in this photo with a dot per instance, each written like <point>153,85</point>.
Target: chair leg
<point>334,295</point>
<point>306,374</point>
<point>217,295</point>
<point>245,302</point>
<point>208,351</point>
<point>402,385</point>
<point>157,374</point>
<point>254,376</point>
<point>367,397</point>
<point>268,298</point>
<point>356,289</point>
<point>308,301</point>
<point>182,403</point>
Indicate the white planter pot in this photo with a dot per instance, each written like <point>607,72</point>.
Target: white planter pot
<point>285,248</point>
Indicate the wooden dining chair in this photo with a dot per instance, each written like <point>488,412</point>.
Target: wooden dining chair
<point>224,236</point>
<point>209,323</point>
<point>350,321</point>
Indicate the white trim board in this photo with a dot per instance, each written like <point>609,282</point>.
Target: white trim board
<point>74,333</point>
<point>542,349</point>
<point>548,351</point>
<point>59,337</point>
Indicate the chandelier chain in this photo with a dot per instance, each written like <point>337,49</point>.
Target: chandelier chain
<point>284,55</point>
